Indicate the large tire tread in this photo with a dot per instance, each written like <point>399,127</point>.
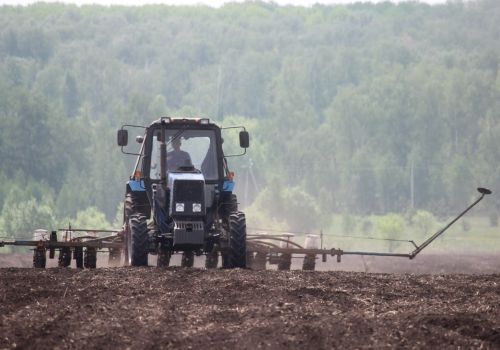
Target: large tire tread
<point>139,240</point>
<point>237,249</point>
<point>129,210</point>
<point>229,206</point>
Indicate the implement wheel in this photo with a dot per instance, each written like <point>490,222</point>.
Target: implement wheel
<point>39,258</point>
<point>259,261</point>
<point>164,255</point>
<point>137,241</point>
<point>236,255</point>
<point>64,257</point>
<point>285,262</point>
<point>78,255</point>
<point>309,263</point>
<point>115,255</point>
<point>90,259</point>
<point>187,259</point>
<point>212,260</point>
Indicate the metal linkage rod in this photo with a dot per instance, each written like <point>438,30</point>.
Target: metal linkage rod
<point>483,191</point>
<point>86,230</point>
<point>378,254</point>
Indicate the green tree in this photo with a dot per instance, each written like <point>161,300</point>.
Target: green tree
<point>391,226</point>
<point>425,221</point>
<point>22,218</point>
<point>90,218</point>
<point>71,98</point>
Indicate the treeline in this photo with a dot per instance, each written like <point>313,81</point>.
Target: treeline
<point>355,109</point>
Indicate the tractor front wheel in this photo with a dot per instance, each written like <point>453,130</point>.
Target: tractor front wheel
<point>137,241</point>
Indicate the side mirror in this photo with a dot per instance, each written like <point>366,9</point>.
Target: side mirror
<point>122,137</point>
<point>244,139</point>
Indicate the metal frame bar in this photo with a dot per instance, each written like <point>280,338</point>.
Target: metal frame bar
<point>48,244</point>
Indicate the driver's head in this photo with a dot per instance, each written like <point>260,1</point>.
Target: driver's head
<point>176,144</point>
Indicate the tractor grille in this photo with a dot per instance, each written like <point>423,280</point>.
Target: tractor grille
<point>189,191</point>
<point>189,226</point>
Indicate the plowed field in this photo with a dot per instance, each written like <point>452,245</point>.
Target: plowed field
<point>150,308</point>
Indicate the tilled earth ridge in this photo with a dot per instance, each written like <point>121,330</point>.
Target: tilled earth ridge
<point>425,263</point>
<point>150,308</point>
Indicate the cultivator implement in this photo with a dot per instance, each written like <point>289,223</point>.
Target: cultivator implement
<point>262,248</point>
<point>279,249</point>
<point>73,246</point>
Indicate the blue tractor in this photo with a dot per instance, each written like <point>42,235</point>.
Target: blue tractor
<point>179,198</point>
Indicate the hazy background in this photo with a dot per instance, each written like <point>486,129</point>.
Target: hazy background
<point>213,3</point>
<point>366,119</point>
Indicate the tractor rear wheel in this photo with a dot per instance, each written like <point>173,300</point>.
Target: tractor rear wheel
<point>187,259</point>
<point>129,210</point>
<point>229,205</point>
<point>130,206</point>
<point>137,241</point>
<point>237,248</point>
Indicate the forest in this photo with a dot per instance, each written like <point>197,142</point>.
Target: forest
<point>355,110</point>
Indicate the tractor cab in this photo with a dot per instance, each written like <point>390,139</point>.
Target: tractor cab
<point>182,184</point>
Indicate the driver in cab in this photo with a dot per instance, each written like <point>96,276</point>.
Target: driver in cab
<point>177,158</point>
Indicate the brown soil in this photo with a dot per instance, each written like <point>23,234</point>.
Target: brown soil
<point>425,263</point>
<point>149,308</point>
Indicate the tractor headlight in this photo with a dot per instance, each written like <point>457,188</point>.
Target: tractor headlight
<point>196,207</point>
<point>179,207</point>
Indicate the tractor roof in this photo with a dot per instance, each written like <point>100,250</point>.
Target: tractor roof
<point>183,121</point>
